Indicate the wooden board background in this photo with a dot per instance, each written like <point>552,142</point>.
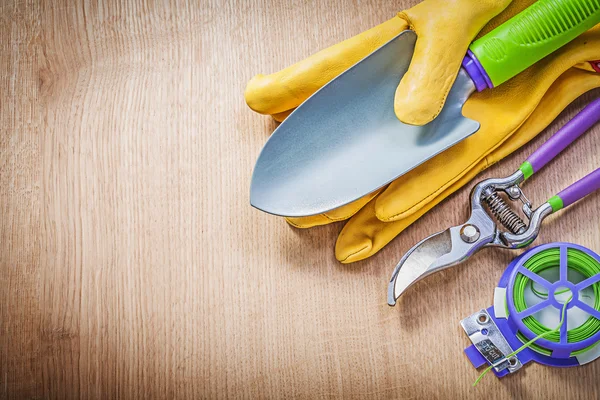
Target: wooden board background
<point>131,264</point>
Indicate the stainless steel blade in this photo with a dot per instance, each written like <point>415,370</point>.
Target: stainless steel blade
<point>440,251</point>
<point>417,262</point>
<point>345,141</point>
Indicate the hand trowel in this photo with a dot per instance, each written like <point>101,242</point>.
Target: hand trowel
<point>345,141</point>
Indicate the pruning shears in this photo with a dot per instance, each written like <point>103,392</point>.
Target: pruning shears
<point>493,222</point>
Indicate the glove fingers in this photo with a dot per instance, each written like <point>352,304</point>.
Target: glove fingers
<point>279,117</point>
<point>288,88</point>
<point>444,31</point>
<point>364,234</point>
<point>308,222</point>
<point>339,214</point>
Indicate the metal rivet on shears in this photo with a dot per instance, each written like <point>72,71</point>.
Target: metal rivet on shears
<point>469,233</point>
<point>514,192</point>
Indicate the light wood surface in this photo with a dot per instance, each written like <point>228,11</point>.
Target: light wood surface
<point>131,263</point>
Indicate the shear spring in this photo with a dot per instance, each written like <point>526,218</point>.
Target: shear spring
<point>504,213</point>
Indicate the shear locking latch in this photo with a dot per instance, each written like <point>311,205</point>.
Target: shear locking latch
<point>489,341</point>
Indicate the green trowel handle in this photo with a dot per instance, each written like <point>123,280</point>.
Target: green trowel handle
<point>533,34</point>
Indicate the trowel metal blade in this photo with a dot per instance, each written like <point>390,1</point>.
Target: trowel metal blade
<point>345,141</point>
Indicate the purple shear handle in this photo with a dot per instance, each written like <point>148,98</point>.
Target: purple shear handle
<point>580,189</point>
<point>556,144</point>
<point>567,135</point>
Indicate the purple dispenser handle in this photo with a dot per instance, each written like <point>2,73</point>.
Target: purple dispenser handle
<point>562,139</point>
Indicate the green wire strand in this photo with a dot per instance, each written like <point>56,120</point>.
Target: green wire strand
<point>528,344</point>
<point>578,261</point>
<point>544,295</point>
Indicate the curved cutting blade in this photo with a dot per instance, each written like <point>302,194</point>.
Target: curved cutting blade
<point>417,262</point>
<point>345,141</point>
<point>435,253</point>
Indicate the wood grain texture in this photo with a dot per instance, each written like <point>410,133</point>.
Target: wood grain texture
<point>132,265</point>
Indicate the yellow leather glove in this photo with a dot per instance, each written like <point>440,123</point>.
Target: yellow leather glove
<point>510,116</point>
<point>500,111</point>
<point>445,29</point>
<point>441,45</point>
<point>502,117</point>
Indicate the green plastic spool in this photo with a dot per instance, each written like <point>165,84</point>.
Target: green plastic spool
<point>578,261</point>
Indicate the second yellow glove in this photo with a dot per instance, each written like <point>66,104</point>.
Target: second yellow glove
<point>510,116</point>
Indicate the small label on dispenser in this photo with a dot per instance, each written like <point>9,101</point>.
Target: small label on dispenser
<point>489,350</point>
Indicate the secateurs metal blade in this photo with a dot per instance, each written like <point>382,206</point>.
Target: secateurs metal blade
<point>493,222</point>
